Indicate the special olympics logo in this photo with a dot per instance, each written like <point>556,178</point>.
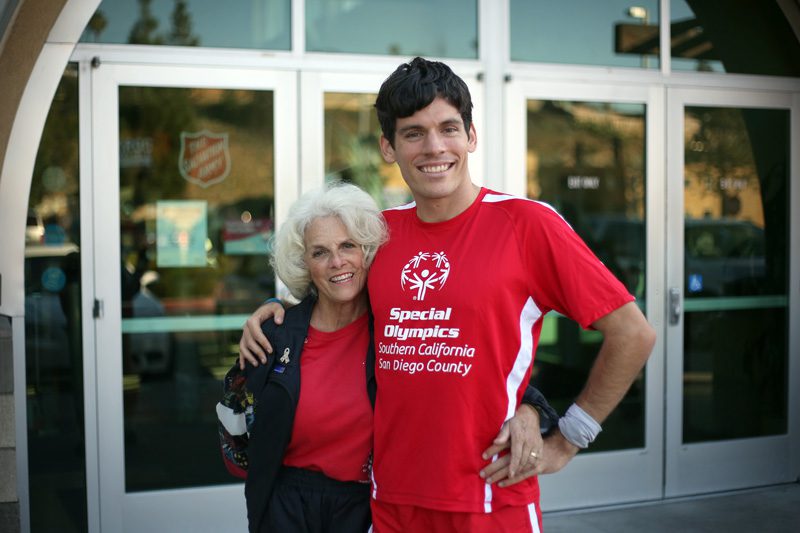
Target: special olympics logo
<point>425,271</point>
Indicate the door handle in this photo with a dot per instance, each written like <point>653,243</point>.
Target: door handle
<point>674,306</point>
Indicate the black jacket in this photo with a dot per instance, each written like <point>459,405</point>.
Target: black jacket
<point>276,389</point>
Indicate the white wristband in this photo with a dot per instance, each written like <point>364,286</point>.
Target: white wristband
<point>578,427</point>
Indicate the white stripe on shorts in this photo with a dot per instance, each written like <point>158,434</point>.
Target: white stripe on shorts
<point>534,518</point>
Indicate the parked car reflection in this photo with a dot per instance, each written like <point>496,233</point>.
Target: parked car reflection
<point>149,353</point>
<point>723,257</point>
<point>619,242</point>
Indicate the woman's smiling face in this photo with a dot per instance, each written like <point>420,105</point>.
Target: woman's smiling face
<point>335,261</point>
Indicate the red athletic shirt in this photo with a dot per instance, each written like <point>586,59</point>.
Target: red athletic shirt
<point>332,430</point>
<point>458,310</point>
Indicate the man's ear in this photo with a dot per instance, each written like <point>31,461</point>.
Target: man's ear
<point>386,150</point>
<point>472,144</point>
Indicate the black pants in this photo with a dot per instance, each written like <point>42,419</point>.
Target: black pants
<point>304,501</point>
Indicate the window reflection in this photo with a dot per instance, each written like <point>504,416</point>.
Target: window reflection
<point>352,152</point>
<point>196,197</point>
<point>197,190</point>
<point>734,377</point>
<point>586,159</point>
<point>260,24</point>
<point>618,33</point>
<point>440,28</point>
<point>736,242</point>
<point>734,234</point>
<point>53,340</point>
<point>733,37</point>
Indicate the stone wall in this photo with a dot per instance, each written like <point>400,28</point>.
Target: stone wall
<point>9,500</point>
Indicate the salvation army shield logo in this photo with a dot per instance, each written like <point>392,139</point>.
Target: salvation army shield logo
<point>425,271</point>
<point>204,157</point>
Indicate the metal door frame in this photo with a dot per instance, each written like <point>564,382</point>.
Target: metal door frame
<point>109,507</point>
<point>725,465</point>
<point>612,477</point>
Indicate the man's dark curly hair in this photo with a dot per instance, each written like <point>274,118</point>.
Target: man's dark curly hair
<point>413,86</point>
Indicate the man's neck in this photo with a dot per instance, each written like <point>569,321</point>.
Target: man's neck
<point>442,209</point>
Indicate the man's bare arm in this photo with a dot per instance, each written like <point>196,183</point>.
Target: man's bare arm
<point>254,346</point>
<point>628,340</point>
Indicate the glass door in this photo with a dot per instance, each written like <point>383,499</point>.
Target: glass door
<point>591,152</point>
<point>729,361</point>
<point>193,168</point>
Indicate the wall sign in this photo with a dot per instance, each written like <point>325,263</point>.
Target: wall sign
<point>204,157</point>
<point>181,233</point>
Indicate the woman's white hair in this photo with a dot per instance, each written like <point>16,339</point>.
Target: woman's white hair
<point>355,208</point>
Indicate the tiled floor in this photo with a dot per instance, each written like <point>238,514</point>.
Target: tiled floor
<point>765,510</point>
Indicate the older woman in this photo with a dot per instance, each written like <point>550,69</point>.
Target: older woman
<point>310,439</point>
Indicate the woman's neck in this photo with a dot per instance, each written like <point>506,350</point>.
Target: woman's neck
<point>328,315</point>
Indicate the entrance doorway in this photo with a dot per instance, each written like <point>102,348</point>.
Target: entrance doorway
<point>189,176</point>
<point>590,151</point>
<point>705,248</point>
<point>165,147</point>
<point>729,361</point>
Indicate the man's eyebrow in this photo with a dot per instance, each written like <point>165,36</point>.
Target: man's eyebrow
<point>447,122</point>
<point>408,128</point>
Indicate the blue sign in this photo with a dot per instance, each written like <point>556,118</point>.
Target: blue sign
<point>695,282</point>
<point>54,279</point>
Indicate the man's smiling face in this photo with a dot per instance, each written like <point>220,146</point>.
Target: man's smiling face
<point>431,148</point>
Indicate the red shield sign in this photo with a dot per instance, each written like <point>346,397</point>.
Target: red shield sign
<point>204,157</point>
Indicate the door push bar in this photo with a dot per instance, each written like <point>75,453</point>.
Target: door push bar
<point>674,306</point>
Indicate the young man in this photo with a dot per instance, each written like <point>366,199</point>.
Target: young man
<point>458,295</point>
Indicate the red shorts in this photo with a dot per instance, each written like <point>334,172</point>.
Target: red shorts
<point>391,518</point>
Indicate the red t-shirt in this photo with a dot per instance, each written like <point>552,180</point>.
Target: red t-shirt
<point>458,311</point>
<point>332,430</point>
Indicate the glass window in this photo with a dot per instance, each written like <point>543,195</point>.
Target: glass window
<point>733,37</point>
<point>352,152</point>
<point>7,8</point>
<point>196,208</point>
<point>587,160</point>
<point>53,340</point>
<point>736,237</point>
<point>260,24</point>
<point>614,33</point>
<point>441,28</point>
